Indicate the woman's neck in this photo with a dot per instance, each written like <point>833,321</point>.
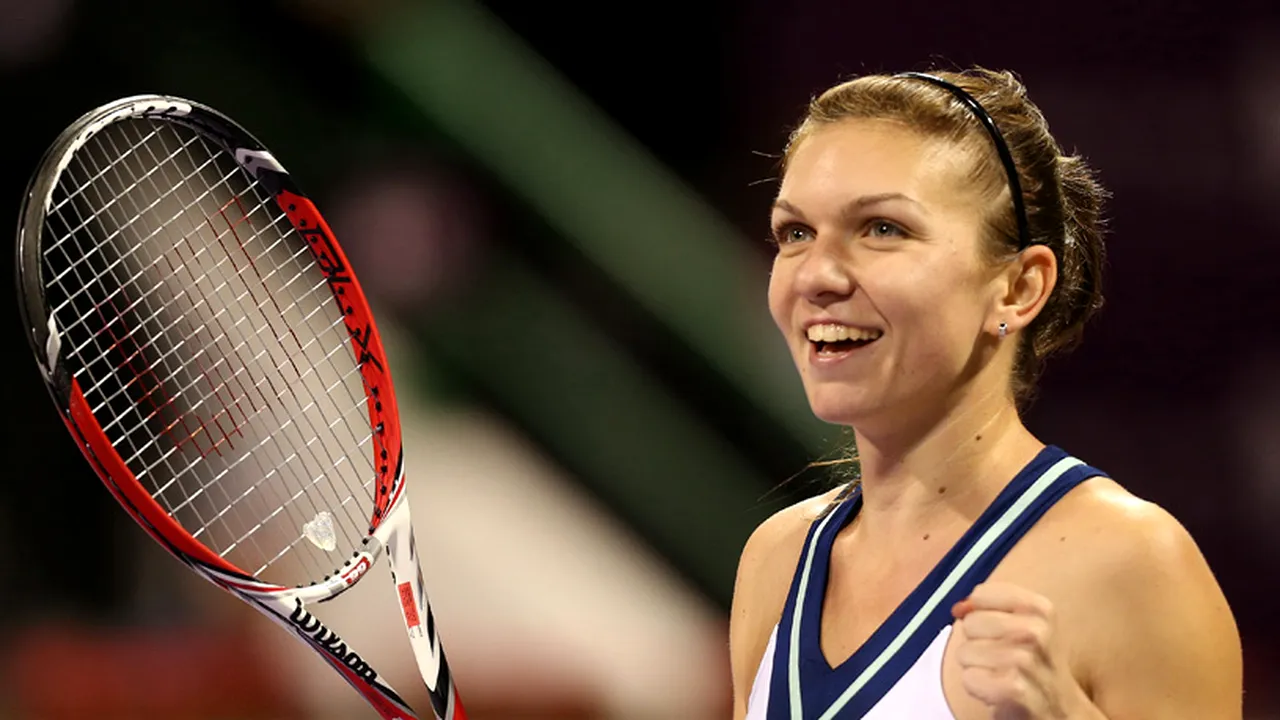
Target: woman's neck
<point>949,472</point>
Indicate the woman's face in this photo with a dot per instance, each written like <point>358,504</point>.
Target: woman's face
<point>879,286</point>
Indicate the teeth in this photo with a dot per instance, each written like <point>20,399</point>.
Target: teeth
<point>831,332</point>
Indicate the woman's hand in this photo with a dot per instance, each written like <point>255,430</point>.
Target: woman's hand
<point>1011,659</point>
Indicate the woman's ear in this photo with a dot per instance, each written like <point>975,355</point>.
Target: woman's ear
<point>1028,282</point>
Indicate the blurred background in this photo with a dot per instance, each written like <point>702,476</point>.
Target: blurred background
<point>558,210</point>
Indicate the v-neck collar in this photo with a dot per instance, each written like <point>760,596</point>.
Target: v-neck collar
<point>815,669</point>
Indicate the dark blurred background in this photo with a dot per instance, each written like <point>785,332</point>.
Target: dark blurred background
<point>559,213</point>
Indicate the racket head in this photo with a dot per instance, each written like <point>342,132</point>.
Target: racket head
<point>196,322</point>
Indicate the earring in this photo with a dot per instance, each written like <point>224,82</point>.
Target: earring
<point>1004,329</point>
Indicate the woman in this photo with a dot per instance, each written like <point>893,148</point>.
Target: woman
<point>934,246</point>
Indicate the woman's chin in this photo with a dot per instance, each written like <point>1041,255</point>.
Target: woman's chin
<point>841,419</point>
<point>840,409</point>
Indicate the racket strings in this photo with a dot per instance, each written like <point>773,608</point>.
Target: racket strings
<point>149,372</point>
<point>189,299</point>
<point>125,257</point>
<point>216,223</point>
<point>117,342</point>
<point>217,313</point>
<point>347,378</point>
<point>96,284</point>
<point>205,525</point>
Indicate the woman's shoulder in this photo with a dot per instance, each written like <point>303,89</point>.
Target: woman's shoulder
<point>1117,531</point>
<point>771,552</point>
<point>779,538</point>
<point>768,561</point>
<point>1101,537</point>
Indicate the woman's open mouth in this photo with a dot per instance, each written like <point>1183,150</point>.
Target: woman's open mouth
<point>831,339</point>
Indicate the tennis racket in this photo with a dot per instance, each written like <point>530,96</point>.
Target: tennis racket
<point>213,356</point>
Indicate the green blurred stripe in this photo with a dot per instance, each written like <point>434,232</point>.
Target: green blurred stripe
<point>598,188</point>
<point>677,481</point>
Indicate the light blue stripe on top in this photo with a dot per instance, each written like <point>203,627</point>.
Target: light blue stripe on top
<point>793,664</point>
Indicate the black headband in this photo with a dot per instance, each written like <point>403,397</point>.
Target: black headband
<point>1015,187</point>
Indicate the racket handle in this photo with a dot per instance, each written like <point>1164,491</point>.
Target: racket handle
<point>424,635</point>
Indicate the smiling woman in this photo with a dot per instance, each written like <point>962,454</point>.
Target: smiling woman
<point>1057,205</point>
<point>934,247</point>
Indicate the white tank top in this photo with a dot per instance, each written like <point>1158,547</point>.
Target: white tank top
<point>918,695</point>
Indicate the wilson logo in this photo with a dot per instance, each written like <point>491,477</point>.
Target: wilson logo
<point>330,641</point>
<point>351,576</point>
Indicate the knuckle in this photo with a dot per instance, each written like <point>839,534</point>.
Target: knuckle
<point>1023,659</point>
<point>1022,635</point>
<point>1045,608</point>
<point>1040,633</point>
<point>1005,683</point>
<point>1031,633</point>
<point>1018,686</point>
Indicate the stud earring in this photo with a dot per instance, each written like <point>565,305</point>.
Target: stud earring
<point>1004,329</point>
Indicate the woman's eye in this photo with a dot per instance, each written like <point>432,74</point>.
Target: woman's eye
<point>791,234</point>
<point>884,228</point>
